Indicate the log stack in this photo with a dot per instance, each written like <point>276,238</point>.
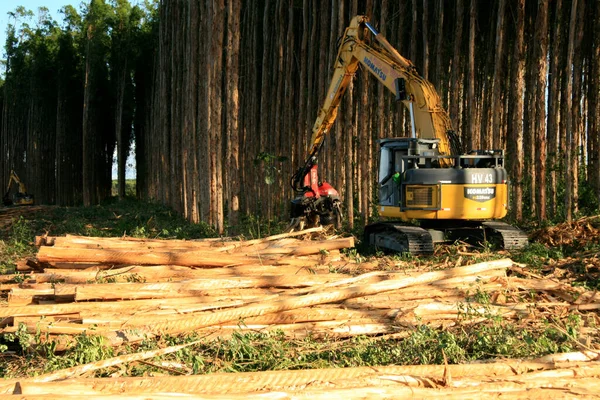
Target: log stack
<point>127,289</point>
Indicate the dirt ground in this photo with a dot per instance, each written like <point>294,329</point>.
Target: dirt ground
<point>9,214</point>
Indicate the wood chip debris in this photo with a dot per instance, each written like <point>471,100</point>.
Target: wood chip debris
<point>583,230</point>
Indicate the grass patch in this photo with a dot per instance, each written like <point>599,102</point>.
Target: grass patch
<point>112,218</point>
<point>273,351</point>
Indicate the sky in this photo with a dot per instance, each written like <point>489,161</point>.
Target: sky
<point>33,5</point>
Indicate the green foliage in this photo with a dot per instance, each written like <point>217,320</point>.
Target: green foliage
<point>246,352</point>
<point>588,198</point>
<point>18,244</point>
<point>269,162</point>
<point>113,218</point>
<point>130,190</point>
<point>22,338</point>
<point>253,227</point>
<point>536,255</point>
<point>90,348</point>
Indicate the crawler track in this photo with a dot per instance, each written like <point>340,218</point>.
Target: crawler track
<point>398,237</point>
<point>512,238</point>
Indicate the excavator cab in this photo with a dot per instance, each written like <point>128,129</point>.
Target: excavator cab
<point>21,197</point>
<point>399,155</point>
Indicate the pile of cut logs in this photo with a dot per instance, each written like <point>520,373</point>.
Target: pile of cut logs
<point>127,289</point>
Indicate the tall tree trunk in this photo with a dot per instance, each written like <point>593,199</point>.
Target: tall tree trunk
<point>338,31</point>
<point>594,104</point>
<point>529,121</point>
<point>205,140</point>
<point>515,129</point>
<point>232,139</point>
<point>216,126</point>
<point>496,104</point>
<point>413,32</point>
<point>576,105</point>
<point>541,55</point>
<point>439,48</point>
<point>302,106</point>
<point>424,28</point>
<point>121,130</point>
<point>457,62</point>
<point>90,140</point>
<point>570,147</point>
<point>553,103</point>
<point>471,133</point>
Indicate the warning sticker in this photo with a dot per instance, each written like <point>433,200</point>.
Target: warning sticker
<point>480,194</point>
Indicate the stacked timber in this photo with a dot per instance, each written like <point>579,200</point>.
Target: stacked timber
<point>127,289</point>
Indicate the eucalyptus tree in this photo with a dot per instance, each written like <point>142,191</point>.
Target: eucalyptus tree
<point>98,116</point>
<point>69,109</point>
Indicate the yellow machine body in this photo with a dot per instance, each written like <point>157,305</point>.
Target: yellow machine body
<point>448,201</point>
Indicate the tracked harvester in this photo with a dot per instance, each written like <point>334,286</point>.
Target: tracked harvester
<point>20,197</point>
<point>423,177</point>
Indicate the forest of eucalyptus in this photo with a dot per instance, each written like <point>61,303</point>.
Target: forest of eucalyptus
<point>219,97</point>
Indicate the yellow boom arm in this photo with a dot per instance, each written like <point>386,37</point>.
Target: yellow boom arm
<point>14,178</point>
<point>396,73</point>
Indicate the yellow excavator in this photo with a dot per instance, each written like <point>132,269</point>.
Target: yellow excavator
<point>423,177</point>
<point>21,197</point>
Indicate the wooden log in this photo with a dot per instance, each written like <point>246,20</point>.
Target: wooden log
<point>64,292</point>
<point>184,257</point>
<point>74,240</point>
<point>138,243</point>
<point>129,307</point>
<point>366,392</point>
<point>191,258</point>
<point>18,296</point>
<point>186,323</point>
<point>160,273</point>
<point>23,267</point>
<point>231,383</point>
<point>66,276</point>
<point>308,248</point>
<point>570,357</point>
<point>303,330</point>
<point>54,329</point>
<point>79,265</point>
<point>173,272</point>
<point>302,315</point>
<point>200,286</point>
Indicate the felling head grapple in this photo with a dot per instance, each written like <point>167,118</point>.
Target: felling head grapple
<point>317,203</point>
